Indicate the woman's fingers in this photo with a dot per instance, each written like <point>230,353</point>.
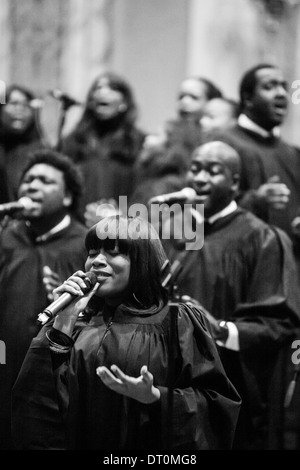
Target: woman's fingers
<point>118,373</point>
<point>107,376</point>
<point>147,376</point>
<point>74,284</point>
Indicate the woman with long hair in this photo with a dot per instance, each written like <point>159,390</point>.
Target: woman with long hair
<point>20,133</point>
<point>106,142</point>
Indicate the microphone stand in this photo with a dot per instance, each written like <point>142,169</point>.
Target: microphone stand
<point>291,388</point>
<point>64,107</point>
<point>3,222</point>
<point>170,283</point>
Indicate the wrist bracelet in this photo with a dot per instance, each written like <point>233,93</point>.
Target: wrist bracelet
<point>59,348</point>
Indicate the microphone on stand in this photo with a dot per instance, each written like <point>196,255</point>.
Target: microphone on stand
<point>37,103</point>
<point>186,195</point>
<point>11,207</point>
<point>291,388</point>
<point>65,99</point>
<point>65,299</point>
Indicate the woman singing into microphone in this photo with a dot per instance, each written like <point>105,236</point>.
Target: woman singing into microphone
<point>96,375</point>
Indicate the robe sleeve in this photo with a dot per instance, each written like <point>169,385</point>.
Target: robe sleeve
<point>271,315</point>
<point>205,403</point>
<point>36,422</point>
<point>38,412</point>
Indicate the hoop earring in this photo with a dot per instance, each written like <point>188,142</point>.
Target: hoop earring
<point>122,108</point>
<point>136,299</point>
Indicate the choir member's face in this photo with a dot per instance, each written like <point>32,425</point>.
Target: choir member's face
<point>106,102</point>
<point>112,269</point>
<point>212,179</point>
<point>17,114</point>
<point>191,99</point>
<point>217,114</point>
<point>268,104</point>
<point>45,185</point>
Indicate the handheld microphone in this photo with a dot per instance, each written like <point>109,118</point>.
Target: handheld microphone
<point>185,195</point>
<point>64,98</point>
<point>65,299</point>
<point>11,207</point>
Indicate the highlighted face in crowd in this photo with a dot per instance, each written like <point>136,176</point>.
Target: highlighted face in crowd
<point>218,113</point>
<point>112,268</point>
<point>193,94</point>
<point>45,186</point>
<point>126,255</point>
<point>267,104</point>
<point>110,97</point>
<point>191,99</point>
<point>214,174</point>
<point>17,114</point>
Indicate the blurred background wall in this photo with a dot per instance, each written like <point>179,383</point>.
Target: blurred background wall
<point>48,44</point>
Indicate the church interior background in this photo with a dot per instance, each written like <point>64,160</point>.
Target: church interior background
<point>48,44</point>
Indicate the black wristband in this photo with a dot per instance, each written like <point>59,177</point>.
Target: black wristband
<point>59,337</point>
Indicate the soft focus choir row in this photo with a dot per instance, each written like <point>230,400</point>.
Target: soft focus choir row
<point>118,368</point>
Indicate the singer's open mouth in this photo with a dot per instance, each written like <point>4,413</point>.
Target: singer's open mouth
<point>102,104</point>
<point>202,195</point>
<point>34,199</point>
<point>101,275</point>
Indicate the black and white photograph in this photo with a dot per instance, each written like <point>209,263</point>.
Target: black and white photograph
<point>149,229</point>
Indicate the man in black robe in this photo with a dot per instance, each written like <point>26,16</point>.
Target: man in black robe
<point>39,249</point>
<point>270,167</point>
<point>246,278</point>
<point>270,172</point>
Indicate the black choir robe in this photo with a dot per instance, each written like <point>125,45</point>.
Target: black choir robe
<point>106,159</point>
<point>262,158</point>
<point>245,273</point>
<point>61,402</point>
<point>23,296</point>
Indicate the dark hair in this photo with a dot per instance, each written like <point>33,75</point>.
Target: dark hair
<point>138,239</point>
<point>34,131</point>
<point>118,83</point>
<point>248,82</point>
<point>28,93</point>
<point>72,175</point>
<point>126,139</point>
<point>211,90</point>
<point>158,161</point>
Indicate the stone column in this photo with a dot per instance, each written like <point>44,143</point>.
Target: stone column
<point>149,50</point>
<point>55,44</point>
<point>37,29</point>
<point>86,49</point>
<point>222,41</point>
<point>5,56</point>
<point>227,37</point>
